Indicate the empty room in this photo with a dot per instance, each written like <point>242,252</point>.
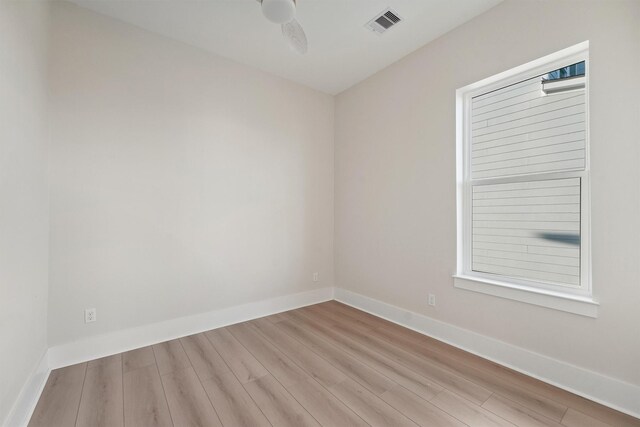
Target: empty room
<point>319,213</point>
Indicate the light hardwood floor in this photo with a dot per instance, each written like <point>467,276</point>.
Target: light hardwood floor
<point>327,364</point>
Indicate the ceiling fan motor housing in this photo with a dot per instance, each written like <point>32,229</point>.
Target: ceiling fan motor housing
<point>279,11</point>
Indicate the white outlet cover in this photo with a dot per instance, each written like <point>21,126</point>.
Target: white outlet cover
<point>90,315</point>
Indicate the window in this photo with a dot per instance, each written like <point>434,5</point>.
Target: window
<point>523,184</point>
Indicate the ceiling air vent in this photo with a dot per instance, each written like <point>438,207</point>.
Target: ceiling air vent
<point>383,21</point>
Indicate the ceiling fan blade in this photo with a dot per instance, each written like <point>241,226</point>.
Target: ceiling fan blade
<point>295,36</point>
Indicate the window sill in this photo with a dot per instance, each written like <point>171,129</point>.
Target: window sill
<point>584,306</point>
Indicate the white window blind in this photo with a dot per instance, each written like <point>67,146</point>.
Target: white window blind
<point>525,179</point>
<point>528,230</point>
<point>519,130</point>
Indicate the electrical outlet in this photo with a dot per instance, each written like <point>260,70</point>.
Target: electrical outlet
<point>90,315</point>
<point>316,277</point>
<point>432,299</point>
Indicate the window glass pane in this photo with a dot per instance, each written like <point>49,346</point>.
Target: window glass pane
<point>528,230</point>
<point>574,70</point>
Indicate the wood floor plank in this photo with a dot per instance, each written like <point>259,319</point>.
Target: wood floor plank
<point>425,386</point>
<point>327,409</point>
<point>578,403</point>
<point>232,402</point>
<point>101,404</point>
<point>490,369</point>
<point>319,402</point>
<point>534,401</point>
<point>351,367</point>
<point>357,315</point>
<point>275,318</point>
<point>203,357</point>
<point>280,408</point>
<point>60,399</point>
<point>170,357</point>
<point>138,358</point>
<point>592,409</point>
<point>145,404</point>
<point>485,373</point>
<point>494,370</point>
<point>318,368</point>
<point>517,414</point>
<point>398,352</point>
<point>278,365</point>
<point>354,323</point>
<point>399,347</point>
<point>240,361</point>
<point>468,412</point>
<point>574,418</point>
<point>384,326</point>
<point>368,406</point>
<point>538,403</point>
<point>103,361</point>
<point>418,410</point>
<point>188,403</point>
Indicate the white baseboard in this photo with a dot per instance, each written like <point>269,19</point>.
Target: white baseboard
<point>29,395</point>
<point>129,339</point>
<point>608,391</point>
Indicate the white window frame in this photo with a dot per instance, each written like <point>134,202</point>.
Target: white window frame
<point>578,300</point>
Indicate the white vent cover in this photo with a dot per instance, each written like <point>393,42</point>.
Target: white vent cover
<point>383,21</point>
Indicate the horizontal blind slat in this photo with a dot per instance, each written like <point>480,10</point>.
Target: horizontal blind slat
<point>526,216</point>
<point>527,265</point>
<point>530,128</point>
<point>522,107</point>
<point>527,274</point>
<point>528,96</point>
<point>544,135</point>
<point>535,168</point>
<point>531,225</point>
<point>527,185</point>
<point>528,86</point>
<point>552,105</point>
<point>487,241</point>
<point>509,88</point>
<point>524,146</point>
<point>525,192</point>
<point>511,232</point>
<point>530,120</point>
<point>498,165</point>
<point>547,250</point>
<point>531,152</point>
<point>533,249</point>
<point>560,208</point>
<point>516,201</point>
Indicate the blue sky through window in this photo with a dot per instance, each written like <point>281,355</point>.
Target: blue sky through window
<point>573,70</point>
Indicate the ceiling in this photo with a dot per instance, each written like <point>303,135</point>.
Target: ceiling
<point>341,52</point>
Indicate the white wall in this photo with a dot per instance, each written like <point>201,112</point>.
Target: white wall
<point>180,182</point>
<point>23,195</point>
<point>395,212</point>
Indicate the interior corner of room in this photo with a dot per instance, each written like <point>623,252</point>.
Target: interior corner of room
<point>324,193</point>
